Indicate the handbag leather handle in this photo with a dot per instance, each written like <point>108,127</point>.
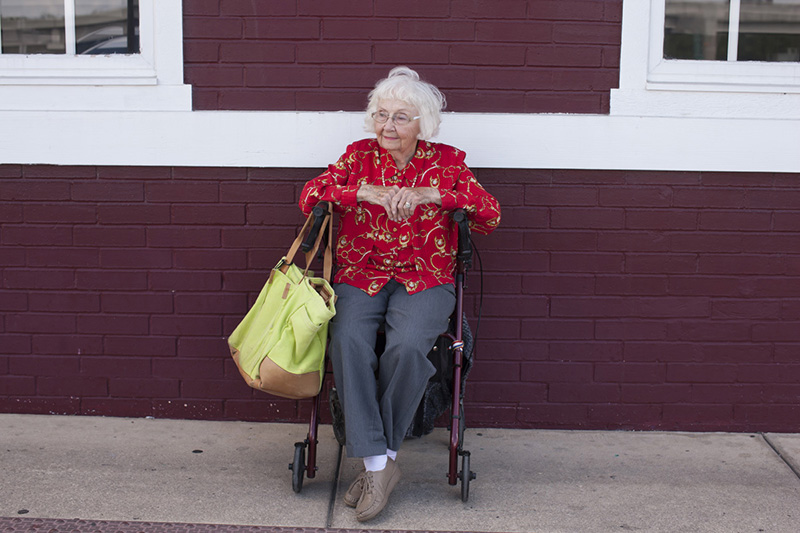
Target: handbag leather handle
<point>328,254</point>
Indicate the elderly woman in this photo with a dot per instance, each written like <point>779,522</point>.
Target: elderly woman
<point>395,254</point>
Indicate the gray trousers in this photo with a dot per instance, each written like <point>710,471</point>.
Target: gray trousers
<point>379,411</point>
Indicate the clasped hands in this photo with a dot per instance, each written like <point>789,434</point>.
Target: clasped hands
<point>399,203</point>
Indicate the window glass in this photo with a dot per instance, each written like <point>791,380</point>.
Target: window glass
<point>46,26</point>
<point>696,29</point>
<point>32,26</point>
<point>769,31</point>
<point>107,26</point>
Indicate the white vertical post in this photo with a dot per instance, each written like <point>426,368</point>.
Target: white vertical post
<point>69,25</point>
<point>733,30</point>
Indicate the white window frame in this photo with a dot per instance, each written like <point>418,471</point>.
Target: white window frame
<point>653,86</point>
<point>149,81</point>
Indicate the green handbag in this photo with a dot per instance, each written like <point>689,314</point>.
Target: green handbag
<point>279,346</point>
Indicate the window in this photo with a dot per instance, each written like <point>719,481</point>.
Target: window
<point>92,55</point>
<point>732,30</point>
<point>710,58</point>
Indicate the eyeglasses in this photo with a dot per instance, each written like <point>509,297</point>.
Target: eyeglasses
<point>400,119</point>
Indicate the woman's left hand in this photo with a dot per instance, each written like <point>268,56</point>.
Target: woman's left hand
<point>408,198</point>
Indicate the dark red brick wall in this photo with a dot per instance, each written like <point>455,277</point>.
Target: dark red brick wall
<point>645,300</point>
<point>534,56</point>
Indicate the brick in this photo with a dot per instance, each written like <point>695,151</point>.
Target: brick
<point>247,237</point>
<point>51,406</point>
<point>55,344</point>
<point>625,416</point>
<point>185,280</point>
<point>144,388</point>
<point>215,76</point>
<point>185,325</point>
<point>182,192</point>
<point>741,264</point>
<point>107,191</point>
<point>702,417</point>
<point>770,243</point>
<point>586,262</point>
<point>736,221</point>
<point>213,27</point>
<point>286,76</point>
<point>113,324</point>
<point>729,353</point>
<point>211,304</point>
<point>202,7</point>
<point>31,365</point>
<point>496,371</point>
<point>663,220</point>
<point>583,307</point>
<point>578,218</point>
<point>437,30</point>
<point>499,393</point>
<point>515,306</point>
<point>557,329</point>
<point>192,347</point>
<point>13,257</point>
<point>199,52</point>
<point>561,196</point>
<point>116,366</point>
<point>525,217</point>
<point>256,52</point>
<point>630,330</point>
<point>14,345</point>
<point>124,407</point>
<point>290,29</point>
<point>137,303</point>
<point>635,197</point>
<point>662,393</point>
<point>77,386</point>
<point>211,259</point>
<point>776,332</point>
<point>586,33</point>
<point>563,56</point>
<point>553,416</point>
<point>517,31</point>
<point>583,393</point>
<point>74,302</point>
<point>109,236</point>
<point>556,372</point>
<point>109,279</point>
<point>215,388</point>
<point>409,52</point>
<point>173,237</point>
<point>189,409</point>
<point>706,242</point>
<point>485,54</point>
<point>556,102</point>
<point>10,171</point>
<point>13,301</point>
<point>59,213</point>
<point>708,198</point>
<point>38,279</point>
<point>333,8</point>
<point>566,10</point>
<point>37,235</point>
<point>633,241</point>
<point>360,29</point>
<point>62,257</point>
<point>187,368</point>
<point>264,9</point>
<point>773,199</point>
<point>133,214</point>
<point>58,171</point>
<point>706,330</point>
<point>35,190</point>
<point>208,214</point>
<point>139,346</point>
<point>585,351</point>
<point>661,264</point>
<point>628,372</point>
<point>631,285</point>
<point>778,418</point>
<point>10,213</point>
<point>140,258</point>
<point>701,373</point>
<point>258,100</point>
<point>17,386</point>
<point>663,351</point>
<point>490,9</point>
<point>726,394</point>
<point>266,192</point>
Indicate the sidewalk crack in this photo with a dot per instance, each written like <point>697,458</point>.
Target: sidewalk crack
<point>779,454</point>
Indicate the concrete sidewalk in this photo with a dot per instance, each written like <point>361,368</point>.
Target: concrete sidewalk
<point>236,473</point>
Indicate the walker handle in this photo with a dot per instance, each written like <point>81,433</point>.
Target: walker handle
<point>464,244</point>
<point>319,211</point>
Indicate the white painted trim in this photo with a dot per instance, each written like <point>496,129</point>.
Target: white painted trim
<point>316,139</point>
<point>149,81</point>
<point>653,86</point>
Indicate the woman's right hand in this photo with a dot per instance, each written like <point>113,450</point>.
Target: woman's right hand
<point>380,195</point>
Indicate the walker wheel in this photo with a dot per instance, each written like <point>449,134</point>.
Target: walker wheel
<point>466,475</point>
<point>298,466</point>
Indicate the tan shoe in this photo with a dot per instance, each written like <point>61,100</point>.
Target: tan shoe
<point>375,493</point>
<point>353,494</point>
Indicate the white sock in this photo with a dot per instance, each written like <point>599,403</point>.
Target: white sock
<point>374,463</point>
<point>392,454</point>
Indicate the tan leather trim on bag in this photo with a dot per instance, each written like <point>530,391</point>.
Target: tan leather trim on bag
<point>279,382</point>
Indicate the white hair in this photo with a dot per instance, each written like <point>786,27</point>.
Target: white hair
<point>404,84</point>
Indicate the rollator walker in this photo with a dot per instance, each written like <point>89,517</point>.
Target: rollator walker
<point>451,355</point>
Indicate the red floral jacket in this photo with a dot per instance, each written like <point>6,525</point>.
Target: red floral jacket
<point>420,252</point>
